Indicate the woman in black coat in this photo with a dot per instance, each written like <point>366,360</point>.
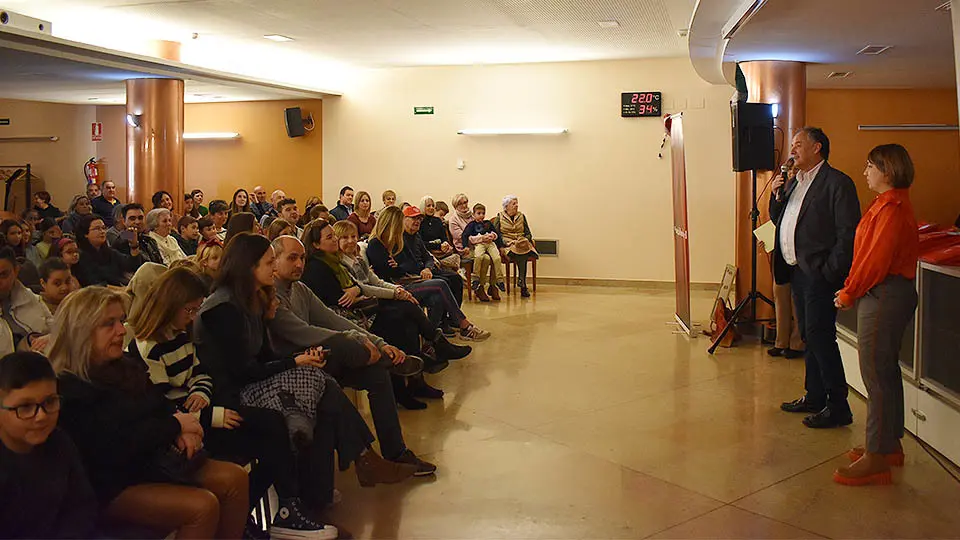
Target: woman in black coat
<point>126,430</point>
<point>100,264</point>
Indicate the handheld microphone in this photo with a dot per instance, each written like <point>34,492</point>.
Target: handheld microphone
<point>784,171</point>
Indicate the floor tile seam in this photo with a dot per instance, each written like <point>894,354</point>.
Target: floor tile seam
<point>684,522</point>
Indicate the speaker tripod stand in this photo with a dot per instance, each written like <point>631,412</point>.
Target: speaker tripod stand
<point>751,298</point>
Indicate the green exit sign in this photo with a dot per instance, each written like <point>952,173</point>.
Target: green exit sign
<point>423,110</point>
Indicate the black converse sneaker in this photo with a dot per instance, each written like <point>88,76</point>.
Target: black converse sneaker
<point>290,523</point>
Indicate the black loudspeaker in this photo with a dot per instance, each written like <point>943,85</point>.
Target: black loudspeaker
<point>753,146</point>
<point>294,120</point>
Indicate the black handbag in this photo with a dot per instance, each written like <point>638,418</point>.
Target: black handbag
<point>172,466</point>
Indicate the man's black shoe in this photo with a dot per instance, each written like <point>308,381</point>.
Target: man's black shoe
<point>790,354</point>
<point>801,406</point>
<point>775,351</point>
<point>828,419</point>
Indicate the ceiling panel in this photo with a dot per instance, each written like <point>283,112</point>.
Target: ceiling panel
<point>921,36</point>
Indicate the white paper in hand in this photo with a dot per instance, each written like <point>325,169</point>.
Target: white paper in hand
<point>767,233</point>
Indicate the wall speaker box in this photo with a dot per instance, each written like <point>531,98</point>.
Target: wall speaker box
<point>753,145</point>
<point>294,120</point>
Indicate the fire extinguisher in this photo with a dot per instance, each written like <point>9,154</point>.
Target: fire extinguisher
<point>90,171</point>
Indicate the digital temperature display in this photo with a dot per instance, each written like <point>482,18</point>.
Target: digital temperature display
<point>639,104</point>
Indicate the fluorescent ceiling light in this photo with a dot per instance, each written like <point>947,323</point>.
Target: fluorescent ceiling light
<point>609,24</point>
<point>278,38</point>
<point>211,135</point>
<point>513,131</point>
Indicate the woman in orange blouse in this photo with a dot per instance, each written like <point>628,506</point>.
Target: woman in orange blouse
<point>884,265</point>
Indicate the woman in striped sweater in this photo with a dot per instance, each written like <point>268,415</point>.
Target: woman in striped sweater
<point>160,321</point>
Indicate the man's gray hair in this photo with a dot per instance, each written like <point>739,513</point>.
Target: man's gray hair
<point>278,245</point>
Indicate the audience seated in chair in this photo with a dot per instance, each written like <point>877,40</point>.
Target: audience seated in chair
<point>188,235</point>
<point>248,371</point>
<point>280,227</point>
<point>160,323</point>
<point>50,232</point>
<point>362,215</point>
<point>99,264</point>
<point>514,231</point>
<point>219,213</point>
<point>43,204</point>
<point>486,244</point>
<point>344,206</point>
<point>56,282</point>
<point>240,223</point>
<point>25,320</point>
<point>239,203</point>
<point>134,221</point>
<point>357,358</point>
<point>396,253</point>
<point>79,207</point>
<point>159,222</point>
<point>436,235</point>
<point>143,457</point>
<point>43,485</point>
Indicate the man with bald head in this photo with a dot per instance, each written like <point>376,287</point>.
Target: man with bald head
<point>357,358</point>
<point>260,206</point>
<point>275,199</point>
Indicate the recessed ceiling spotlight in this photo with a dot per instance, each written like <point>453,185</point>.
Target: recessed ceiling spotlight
<point>278,38</point>
<point>609,24</point>
<point>874,50</point>
<point>839,74</point>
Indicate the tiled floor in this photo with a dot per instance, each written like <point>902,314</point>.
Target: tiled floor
<point>585,416</point>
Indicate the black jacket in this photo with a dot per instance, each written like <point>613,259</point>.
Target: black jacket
<point>118,428</point>
<point>410,261</point>
<point>234,347</point>
<point>825,229</point>
<point>104,266</point>
<point>319,277</point>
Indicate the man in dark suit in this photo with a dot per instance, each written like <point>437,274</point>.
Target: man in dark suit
<point>816,221</point>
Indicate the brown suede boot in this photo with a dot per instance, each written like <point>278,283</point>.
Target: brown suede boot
<point>482,295</point>
<point>494,293</point>
<point>373,469</point>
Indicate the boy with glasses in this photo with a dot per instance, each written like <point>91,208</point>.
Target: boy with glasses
<point>43,486</point>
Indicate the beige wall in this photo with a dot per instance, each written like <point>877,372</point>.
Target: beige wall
<point>59,164</point>
<point>600,189</point>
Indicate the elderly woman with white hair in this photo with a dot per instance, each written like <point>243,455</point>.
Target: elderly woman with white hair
<point>514,230</point>
<point>160,224</point>
<point>435,235</point>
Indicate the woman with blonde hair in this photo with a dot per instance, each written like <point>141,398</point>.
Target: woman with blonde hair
<point>362,216</point>
<point>162,344</point>
<point>436,236</point>
<point>209,260</point>
<point>159,223</point>
<point>130,437</point>
<point>393,260</point>
<point>389,198</point>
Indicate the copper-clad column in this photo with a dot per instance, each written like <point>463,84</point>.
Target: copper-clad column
<point>155,146</point>
<point>785,83</point>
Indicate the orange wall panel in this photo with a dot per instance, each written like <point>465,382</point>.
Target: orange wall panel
<point>264,155</point>
<point>936,188</point>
